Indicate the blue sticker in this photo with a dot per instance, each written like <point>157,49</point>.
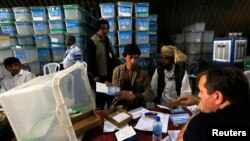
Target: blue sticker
<point>77,57</point>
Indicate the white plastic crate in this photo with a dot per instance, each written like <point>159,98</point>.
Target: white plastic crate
<point>8,28</point>
<point>124,37</point>
<point>153,18</point>
<point>179,38</point>
<point>48,102</point>
<point>44,54</point>
<point>6,15</point>
<point>34,67</point>
<point>193,48</point>
<point>153,39</point>
<point>121,50</point>
<point>74,26</point>
<point>41,27</point>
<point>8,41</point>
<point>141,37</point>
<point>26,41</point>
<point>141,9</point>
<point>42,41</point>
<point>142,24</point>
<point>112,37</point>
<point>26,55</point>
<point>24,28</point>
<point>57,40</point>
<point>193,37</point>
<point>197,27</point>
<point>58,53</point>
<point>145,51</point>
<point>112,24</point>
<point>55,13</point>
<point>125,23</point>
<point>57,27</point>
<point>22,14</point>
<point>153,27</point>
<point>107,10</point>
<point>207,36</point>
<point>73,12</point>
<point>5,53</point>
<point>39,13</point>
<point>207,48</point>
<point>125,9</point>
<point>153,49</point>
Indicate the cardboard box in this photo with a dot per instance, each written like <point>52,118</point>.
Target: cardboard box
<point>111,113</point>
<point>85,121</point>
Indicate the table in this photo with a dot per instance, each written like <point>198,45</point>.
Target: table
<point>96,134</point>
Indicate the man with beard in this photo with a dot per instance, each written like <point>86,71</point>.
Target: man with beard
<point>170,79</point>
<point>133,80</point>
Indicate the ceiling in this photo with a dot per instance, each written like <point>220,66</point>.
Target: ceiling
<point>221,16</point>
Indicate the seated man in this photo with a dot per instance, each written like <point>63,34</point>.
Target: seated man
<point>170,79</point>
<point>18,75</point>
<point>224,106</point>
<point>133,80</point>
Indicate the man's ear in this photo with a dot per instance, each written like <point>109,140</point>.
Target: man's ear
<point>219,98</point>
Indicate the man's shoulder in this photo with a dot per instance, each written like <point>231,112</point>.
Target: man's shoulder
<point>24,72</point>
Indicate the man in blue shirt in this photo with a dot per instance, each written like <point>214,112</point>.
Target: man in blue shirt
<point>72,54</point>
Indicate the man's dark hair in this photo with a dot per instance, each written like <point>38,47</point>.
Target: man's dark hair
<point>101,22</point>
<point>131,49</point>
<point>230,81</point>
<point>10,60</point>
<point>72,38</point>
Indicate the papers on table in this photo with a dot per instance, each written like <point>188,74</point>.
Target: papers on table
<point>163,107</point>
<point>138,112</point>
<point>192,108</point>
<point>173,111</point>
<point>125,133</point>
<point>110,127</point>
<point>146,124</point>
<point>177,110</point>
<point>180,118</point>
<point>120,117</point>
<point>173,134</point>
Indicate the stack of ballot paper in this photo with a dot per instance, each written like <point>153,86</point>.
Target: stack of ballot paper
<point>126,133</point>
<point>103,88</point>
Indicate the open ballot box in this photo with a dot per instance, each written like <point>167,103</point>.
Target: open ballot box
<point>38,110</point>
<point>118,116</point>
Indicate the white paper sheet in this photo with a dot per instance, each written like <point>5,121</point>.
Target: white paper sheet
<point>138,112</point>
<point>125,133</point>
<point>146,124</point>
<point>110,127</point>
<point>120,117</point>
<point>101,88</point>
<point>173,134</point>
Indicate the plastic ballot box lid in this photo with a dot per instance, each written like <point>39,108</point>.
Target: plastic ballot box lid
<point>38,109</point>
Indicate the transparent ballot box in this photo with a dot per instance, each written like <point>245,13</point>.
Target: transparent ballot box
<point>44,115</point>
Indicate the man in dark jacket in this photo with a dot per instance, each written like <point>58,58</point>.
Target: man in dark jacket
<point>101,61</point>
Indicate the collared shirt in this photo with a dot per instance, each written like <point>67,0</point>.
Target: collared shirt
<point>169,93</point>
<point>72,54</point>
<point>10,82</point>
<point>101,58</point>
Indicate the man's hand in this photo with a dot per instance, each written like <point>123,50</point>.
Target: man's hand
<point>97,79</point>
<point>187,100</point>
<point>127,95</point>
<point>173,105</point>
